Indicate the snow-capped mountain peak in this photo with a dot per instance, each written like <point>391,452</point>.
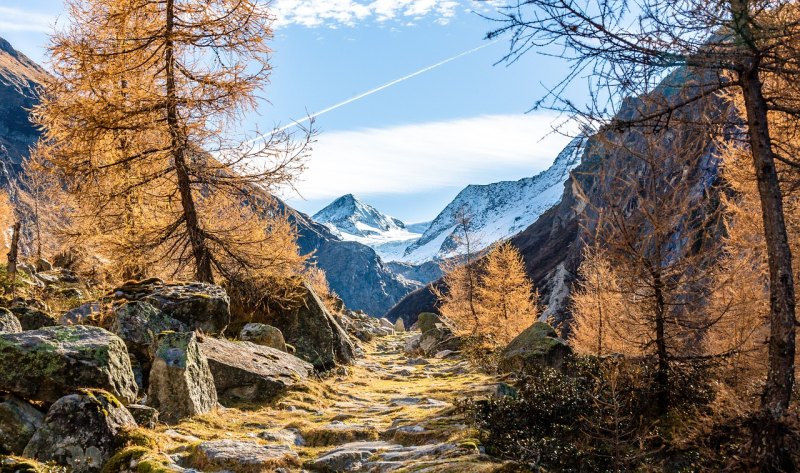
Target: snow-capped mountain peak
<point>349,215</point>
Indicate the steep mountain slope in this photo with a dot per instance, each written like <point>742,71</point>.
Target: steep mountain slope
<point>552,246</point>
<point>19,79</point>
<point>496,211</point>
<point>353,220</point>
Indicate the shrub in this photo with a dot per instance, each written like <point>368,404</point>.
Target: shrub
<point>598,414</point>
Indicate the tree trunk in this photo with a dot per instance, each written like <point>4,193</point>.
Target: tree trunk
<point>197,240</point>
<point>662,369</point>
<point>13,253</point>
<point>780,375</point>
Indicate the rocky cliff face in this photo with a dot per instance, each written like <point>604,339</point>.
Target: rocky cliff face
<point>19,79</point>
<point>552,246</point>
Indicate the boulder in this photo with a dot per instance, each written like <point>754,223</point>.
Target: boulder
<point>263,334</point>
<point>232,455</point>
<point>82,315</point>
<point>9,322</point>
<point>248,372</point>
<point>314,332</point>
<point>49,363</point>
<point>181,384</point>
<point>32,318</point>
<point>200,306</point>
<point>427,321</point>
<point>138,324</point>
<point>145,416</point>
<point>81,431</point>
<point>386,323</point>
<point>18,422</point>
<point>42,264</point>
<point>537,345</point>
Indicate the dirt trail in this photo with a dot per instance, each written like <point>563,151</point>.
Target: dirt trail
<point>387,412</point>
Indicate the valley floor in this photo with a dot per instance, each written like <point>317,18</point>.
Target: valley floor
<point>386,413</point>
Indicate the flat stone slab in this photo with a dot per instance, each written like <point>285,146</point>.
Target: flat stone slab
<point>244,371</point>
<point>236,455</point>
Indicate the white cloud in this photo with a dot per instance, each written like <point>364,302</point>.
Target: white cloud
<point>15,19</point>
<point>429,156</point>
<point>332,13</point>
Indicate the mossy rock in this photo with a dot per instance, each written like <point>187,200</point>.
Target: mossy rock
<point>427,321</point>
<point>537,345</point>
<point>82,431</point>
<point>49,363</point>
<point>139,460</point>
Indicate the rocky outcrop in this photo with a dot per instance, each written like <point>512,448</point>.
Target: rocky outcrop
<point>181,384</point>
<point>9,322</point>
<point>435,336</point>
<point>200,306</point>
<point>84,314</point>
<point>314,332</point>
<point>49,363</point>
<point>245,372</point>
<point>263,334</point>
<point>81,431</point>
<point>363,327</point>
<point>538,345</point>
<point>18,422</point>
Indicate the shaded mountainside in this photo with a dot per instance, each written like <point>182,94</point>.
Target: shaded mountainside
<point>19,79</point>
<point>552,246</point>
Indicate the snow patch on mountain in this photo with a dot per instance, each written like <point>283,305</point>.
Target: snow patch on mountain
<point>495,211</point>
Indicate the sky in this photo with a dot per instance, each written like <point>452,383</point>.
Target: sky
<point>409,148</point>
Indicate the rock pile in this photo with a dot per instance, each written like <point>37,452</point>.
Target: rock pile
<point>148,352</point>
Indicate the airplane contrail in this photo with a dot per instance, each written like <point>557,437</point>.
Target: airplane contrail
<point>379,88</point>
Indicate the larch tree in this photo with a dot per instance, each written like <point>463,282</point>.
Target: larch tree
<point>627,46</point>
<point>138,121</point>
<point>600,325</point>
<point>490,301</point>
<point>505,295</point>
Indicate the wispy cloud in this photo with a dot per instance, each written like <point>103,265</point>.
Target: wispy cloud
<point>423,157</point>
<point>333,13</point>
<point>17,19</point>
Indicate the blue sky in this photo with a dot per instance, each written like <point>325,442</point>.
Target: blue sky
<point>407,149</point>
